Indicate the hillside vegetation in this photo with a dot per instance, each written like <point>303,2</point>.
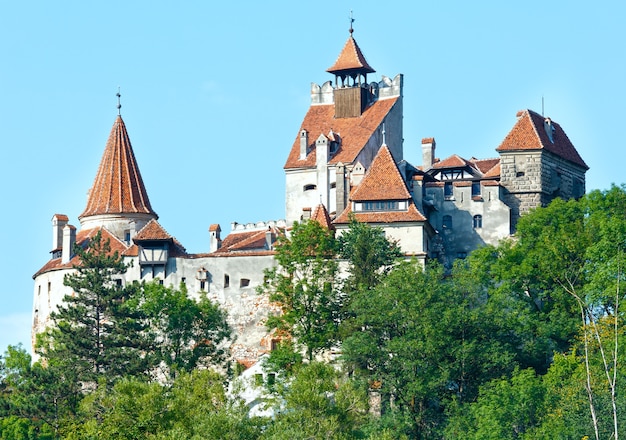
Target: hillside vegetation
<point>520,341</point>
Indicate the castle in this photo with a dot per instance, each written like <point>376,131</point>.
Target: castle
<point>346,160</point>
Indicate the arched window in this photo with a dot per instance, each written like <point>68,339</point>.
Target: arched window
<point>478,221</point>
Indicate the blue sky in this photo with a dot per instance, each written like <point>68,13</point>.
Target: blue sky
<point>213,95</point>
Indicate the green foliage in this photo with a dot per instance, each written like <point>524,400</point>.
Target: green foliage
<point>36,398</point>
<point>19,428</point>
<point>319,403</point>
<point>97,333</point>
<point>425,339</point>
<point>132,409</point>
<point>369,253</point>
<point>186,333</point>
<point>505,410</point>
<point>284,360</point>
<point>304,286</point>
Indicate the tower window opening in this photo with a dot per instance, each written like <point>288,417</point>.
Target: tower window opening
<point>478,221</point>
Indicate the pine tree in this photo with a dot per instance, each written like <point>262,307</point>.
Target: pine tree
<point>97,333</point>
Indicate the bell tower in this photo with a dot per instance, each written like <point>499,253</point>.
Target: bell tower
<point>351,93</point>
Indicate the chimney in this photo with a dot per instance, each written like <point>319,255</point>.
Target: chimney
<point>304,143</point>
<point>58,223</point>
<point>322,150</point>
<point>428,153</point>
<point>268,239</point>
<point>69,239</point>
<point>215,240</point>
<point>341,191</point>
<point>306,213</point>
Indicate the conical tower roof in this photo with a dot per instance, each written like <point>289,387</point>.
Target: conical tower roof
<point>118,187</point>
<point>351,60</point>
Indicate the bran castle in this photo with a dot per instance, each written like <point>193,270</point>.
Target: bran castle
<point>346,159</point>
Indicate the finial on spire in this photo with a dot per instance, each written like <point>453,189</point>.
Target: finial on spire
<point>351,21</point>
<point>119,105</point>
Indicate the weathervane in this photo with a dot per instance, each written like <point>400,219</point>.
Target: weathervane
<point>119,105</point>
<point>351,21</point>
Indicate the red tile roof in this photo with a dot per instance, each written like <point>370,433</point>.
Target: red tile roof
<point>484,165</point>
<point>382,181</point>
<point>82,239</point>
<point>153,231</point>
<point>247,241</point>
<point>493,172</point>
<point>529,134</point>
<point>354,132</point>
<point>350,59</point>
<point>321,216</point>
<point>118,187</point>
<point>454,161</point>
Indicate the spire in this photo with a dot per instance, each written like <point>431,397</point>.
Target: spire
<point>351,61</point>
<point>118,188</point>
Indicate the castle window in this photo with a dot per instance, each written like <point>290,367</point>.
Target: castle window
<point>448,191</point>
<point>202,285</point>
<point>381,205</point>
<point>244,282</point>
<point>447,222</point>
<point>226,281</point>
<point>475,189</point>
<point>183,280</point>
<point>461,255</point>
<point>118,283</point>
<point>333,185</point>
<point>310,187</point>
<point>127,236</point>
<point>478,221</point>
<point>520,174</point>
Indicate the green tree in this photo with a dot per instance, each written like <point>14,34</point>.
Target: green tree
<point>505,410</point>
<point>97,334</point>
<point>186,333</point>
<point>425,341</point>
<point>370,254</point>
<point>319,403</point>
<point>34,398</point>
<point>304,286</point>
